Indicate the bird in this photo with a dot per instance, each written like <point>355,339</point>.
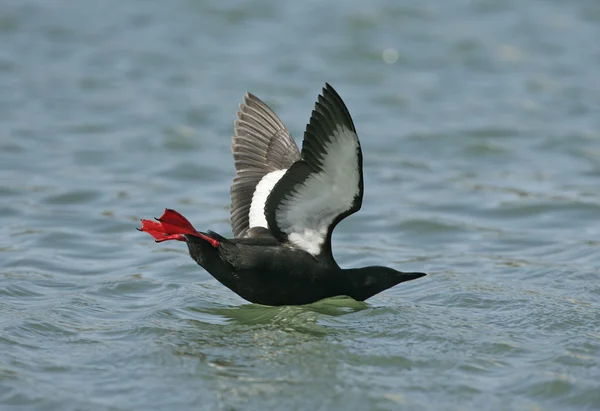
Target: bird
<point>285,204</point>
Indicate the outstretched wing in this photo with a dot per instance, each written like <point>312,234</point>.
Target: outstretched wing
<point>325,186</point>
<point>262,149</point>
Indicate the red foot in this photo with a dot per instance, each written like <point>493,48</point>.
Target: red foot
<point>172,226</point>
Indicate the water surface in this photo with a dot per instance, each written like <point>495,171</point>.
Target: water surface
<point>479,122</point>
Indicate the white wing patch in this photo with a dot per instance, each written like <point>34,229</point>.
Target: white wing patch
<point>259,198</point>
<point>307,212</point>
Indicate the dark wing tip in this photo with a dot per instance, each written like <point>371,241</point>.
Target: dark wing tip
<point>334,103</point>
<point>329,114</point>
<point>329,89</point>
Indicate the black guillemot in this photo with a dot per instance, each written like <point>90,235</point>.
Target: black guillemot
<point>285,204</point>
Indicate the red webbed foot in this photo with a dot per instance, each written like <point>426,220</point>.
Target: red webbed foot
<point>173,226</point>
<point>170,226</point>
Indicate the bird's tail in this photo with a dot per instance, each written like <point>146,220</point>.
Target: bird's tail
<point>173,226</point>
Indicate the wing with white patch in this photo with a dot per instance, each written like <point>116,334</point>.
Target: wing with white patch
<point>262,147</point>
<point>324,187</point>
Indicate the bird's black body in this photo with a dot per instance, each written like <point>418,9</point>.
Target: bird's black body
<point>263,271</point>
<point>285,205</point>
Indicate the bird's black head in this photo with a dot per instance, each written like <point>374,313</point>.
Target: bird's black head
<point>368,281</point>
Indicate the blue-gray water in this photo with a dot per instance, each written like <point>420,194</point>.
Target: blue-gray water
<point>480,126</point>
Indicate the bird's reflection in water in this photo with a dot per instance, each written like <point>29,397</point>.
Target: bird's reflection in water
<point>302,316</point>
<point>229,339</point>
